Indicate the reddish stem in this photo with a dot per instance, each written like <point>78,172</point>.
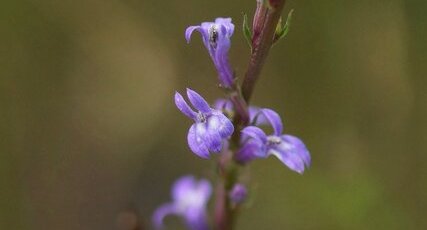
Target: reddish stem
<point>262,40</point>
<point>264,25</point>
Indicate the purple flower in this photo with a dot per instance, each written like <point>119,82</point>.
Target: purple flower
<point>190,198</point>
<point>210,125</point>
<point>216,37</point>
<point>238,194</point>
<point>290,150</point>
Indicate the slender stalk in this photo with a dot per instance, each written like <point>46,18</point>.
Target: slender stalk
<point>263,33</point>
<point>264,25</point>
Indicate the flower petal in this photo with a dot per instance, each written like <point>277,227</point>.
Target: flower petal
<point>182,187</point>
<point>211,137</point>
<point>197,143</point>
<point>221,58</point>
<point>256,117</point>
<point>183,106</point>
<point>223,104</point>
<point>221,123</point>
<point>204,30</point>
<point>161,213</point>
<point>274,120</point>
<point>227,23</point>
<point>299,148</point>
<point>205,188</point>
<point>286,153</point>
<point>256,133</point>
<point>198,102</point>
<point>251,150</point>
<point>187,191</point>
<point>196,218</point>
<point>189,31</point>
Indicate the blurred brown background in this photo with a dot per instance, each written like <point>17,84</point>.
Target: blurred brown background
<point>89,131</point>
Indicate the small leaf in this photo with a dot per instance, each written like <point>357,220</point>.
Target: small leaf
<point>247,31</point>
<point>282,32</point>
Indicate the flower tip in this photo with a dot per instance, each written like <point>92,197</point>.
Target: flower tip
<point>188,32</point>
<point>177,94</point>
<point>299,170</point>
<point>178,98</point>
<point>189,90</point>
<point>204,156</point>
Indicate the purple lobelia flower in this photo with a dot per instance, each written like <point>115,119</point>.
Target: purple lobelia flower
<point>216,38</point>
<point>190,198</point>
<point>210,126</point>
<point>290,150</point>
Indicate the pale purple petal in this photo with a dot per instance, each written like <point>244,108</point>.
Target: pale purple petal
<point>223,104</point>
<point>189,31</point>
<point>274,120</point>
<point>197,143</point>
<point>204,30</point>
<point>227,23</point>
<point>221,59</point>
<point>183,106</point>
<point>251,150</point>
<point>256,133</point>
<point>256,117</point>
<point>202,140</point>
<point>287,156</point>
<point>298,147</point>
<point>187,191</point>
<point>221,123</point>
<point>198,102</point>
<point>205,188</point>
<point>212,138</point>
<point>161,213</point>
<point>182,187</point>
<point>196,218</point>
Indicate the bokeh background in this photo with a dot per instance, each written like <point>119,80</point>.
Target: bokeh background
<point>90,137</point>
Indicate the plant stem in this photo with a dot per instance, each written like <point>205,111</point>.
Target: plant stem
<point>263,32</point>
<point>264,26</point>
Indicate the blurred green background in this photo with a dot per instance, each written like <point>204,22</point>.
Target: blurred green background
<point>91,139</point>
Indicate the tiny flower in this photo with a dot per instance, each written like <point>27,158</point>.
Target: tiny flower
<point>290,150</point>
<point>238,194</point>
<point>216,38</point>
<point>210,126</point>
<point>190,198</point>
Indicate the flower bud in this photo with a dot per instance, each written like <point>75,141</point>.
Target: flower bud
<point>238,194</point>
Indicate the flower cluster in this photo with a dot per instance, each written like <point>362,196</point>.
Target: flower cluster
<point>212,129</point>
